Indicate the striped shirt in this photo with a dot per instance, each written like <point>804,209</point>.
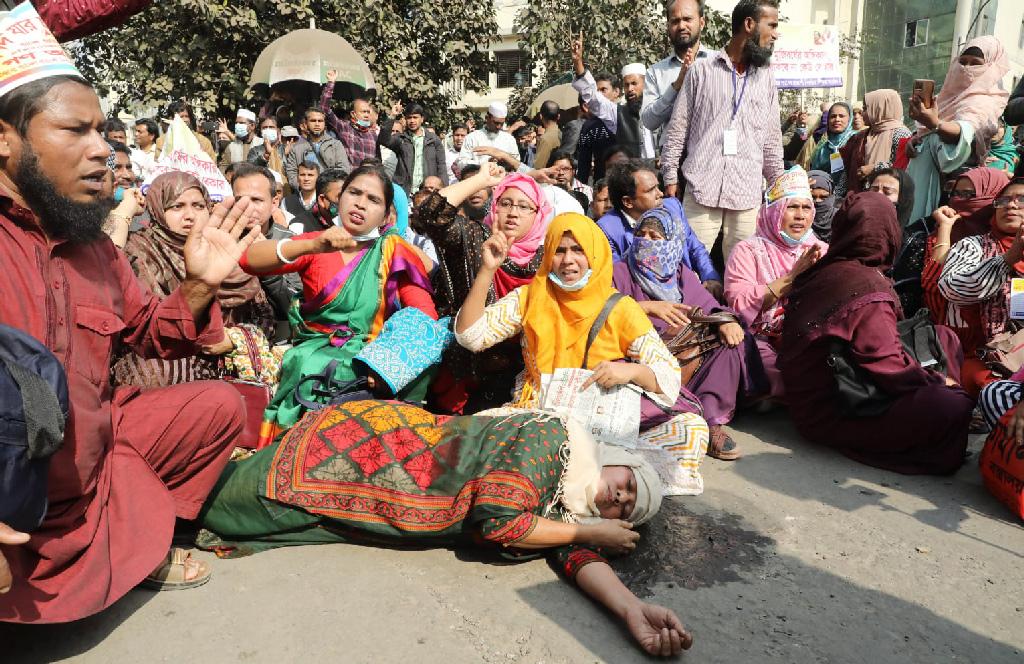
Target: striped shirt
<point>702,113</point>
<point>975,273</point>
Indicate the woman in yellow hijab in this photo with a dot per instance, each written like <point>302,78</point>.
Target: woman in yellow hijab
<point>555,313</point>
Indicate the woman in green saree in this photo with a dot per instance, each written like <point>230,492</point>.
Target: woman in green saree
<point>354,276</point>
<point>518,481</point>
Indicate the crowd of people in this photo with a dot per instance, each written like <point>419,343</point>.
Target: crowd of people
<point>398,294</point>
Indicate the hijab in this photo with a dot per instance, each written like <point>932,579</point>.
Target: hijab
<point>556,322</point>
<point>832,141</point>
<point>157,253</point>
<point>976,213</point>
<point>905,201</point>
<point>578,487</point>
<point>1003,154</point>
<point>884,109</point>
<point>824,209</point>
<point>865,240</point>
<point>974,93</point>
<point>401,206</point>
<point>525,248</point>
<point>654,264</point>
<point>1005,239</point>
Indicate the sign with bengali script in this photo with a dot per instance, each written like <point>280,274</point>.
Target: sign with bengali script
<point>807,56</point>
<point>28,50</point>
<point>181,152</point>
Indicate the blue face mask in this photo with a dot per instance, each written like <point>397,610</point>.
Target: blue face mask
<point>363,123</point>
<point>790,242</point>
<point>570,288</point>
<point>241,129</point>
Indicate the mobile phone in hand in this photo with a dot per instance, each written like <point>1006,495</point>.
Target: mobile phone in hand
<point>924,89</point>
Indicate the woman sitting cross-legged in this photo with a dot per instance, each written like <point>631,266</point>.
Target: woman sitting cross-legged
<point>522,482</point>
<point>554,315</point>
<point>978,271</point>
<point>761,269</point>
<point>655,275</point>
<point>843,307</point>
<point>353,279</point>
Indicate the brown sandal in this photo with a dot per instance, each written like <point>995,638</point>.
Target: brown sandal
<point>722,446</point>
<point>172,574</point>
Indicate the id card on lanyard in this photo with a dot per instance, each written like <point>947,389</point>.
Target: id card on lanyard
<point>730,137</point>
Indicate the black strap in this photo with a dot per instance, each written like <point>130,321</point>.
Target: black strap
<point>599,322</point>
<point>41,408</point>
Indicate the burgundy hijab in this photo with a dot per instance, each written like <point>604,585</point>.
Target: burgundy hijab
<point>865,240</point>
<point>976,213</point>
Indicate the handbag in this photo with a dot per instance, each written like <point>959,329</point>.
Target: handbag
<point>255,394</point>
<point>409,343</point>
<point>1002,466</point>
<point>858,394</point>
<point>329,391</point>
<point>693,343</point>
<point>1004,355</point>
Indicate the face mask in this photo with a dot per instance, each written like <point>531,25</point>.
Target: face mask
<point>371,234</point>
<point>363,123</point>
<point>269,135</point>
<point>333,210</point>
<point>972,71</point>
<point>241,130</point>
<point>570,288</point>
<point>790,242</point>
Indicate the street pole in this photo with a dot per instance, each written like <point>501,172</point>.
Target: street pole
<point>961,25</point>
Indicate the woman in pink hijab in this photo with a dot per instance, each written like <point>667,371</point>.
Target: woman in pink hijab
<point>957,128</point>
<point>761,269</point>
<point>518,209</point>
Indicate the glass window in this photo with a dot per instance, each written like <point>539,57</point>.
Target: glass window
<point>917,33</point>
<point>513,68</point>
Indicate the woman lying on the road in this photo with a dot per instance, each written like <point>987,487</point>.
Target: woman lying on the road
<point>390,473</point>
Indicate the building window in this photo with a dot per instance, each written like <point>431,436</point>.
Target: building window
<point>513,68</point>
<point>917,33</point>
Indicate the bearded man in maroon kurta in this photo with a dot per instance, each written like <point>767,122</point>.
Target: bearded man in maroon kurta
<point>132,460</point>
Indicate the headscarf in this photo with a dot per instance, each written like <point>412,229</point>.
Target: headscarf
<point>1003,156</point>
<point>158,253</point>
<point>865,240</point>
<point>578,486</point>
<point>824,209</point>
<point>974,93</point>
<point>1005,240</point>
<point>401,205</point>
<point>775,258</point>
<point>905,202</point>
<point>654,264</point>
<point>523,250</point>
<point>884,108</point>
<point>556,322</point>
<point>831,142</point>
<point>976,213</point>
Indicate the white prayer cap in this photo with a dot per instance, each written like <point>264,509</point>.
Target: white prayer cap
<point>634,68</point>
<point>246,114</point>
<point>497,110</point>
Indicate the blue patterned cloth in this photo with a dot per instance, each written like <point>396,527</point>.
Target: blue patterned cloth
<point>409,343</point>
<point>654,264</point>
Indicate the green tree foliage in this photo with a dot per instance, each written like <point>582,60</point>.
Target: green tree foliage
<point>204,50</point>
<point>615,33</point>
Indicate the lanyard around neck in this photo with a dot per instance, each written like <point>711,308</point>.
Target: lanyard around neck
<point>736,102</point>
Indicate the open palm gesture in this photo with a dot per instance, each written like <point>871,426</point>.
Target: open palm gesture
<point>214,246</point>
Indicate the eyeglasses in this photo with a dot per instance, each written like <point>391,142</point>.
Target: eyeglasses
<point>1004,201</point>
<point>506,204</point>
<point>962,193</point>
<point>888,191</point>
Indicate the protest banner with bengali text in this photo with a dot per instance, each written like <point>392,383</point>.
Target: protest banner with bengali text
<point>181,152</point>
<point>31,52</point>
<point>807,56</point>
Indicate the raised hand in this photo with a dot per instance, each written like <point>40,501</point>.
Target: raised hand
<point>332,75</point>
<point>490,174</point>
<point>214,246</point>
<point>945,216</point>
<point>334,238</point>
<point>494,251</point>
<point>576,49</point>
<point>397,109</point>
<point>806,260</point>
<point>658,630</point>
<point>613,536</point>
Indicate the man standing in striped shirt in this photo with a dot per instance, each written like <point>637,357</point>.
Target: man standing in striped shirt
<point>726,120</point>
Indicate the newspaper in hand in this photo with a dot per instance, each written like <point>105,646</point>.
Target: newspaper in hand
<point>611,416</point>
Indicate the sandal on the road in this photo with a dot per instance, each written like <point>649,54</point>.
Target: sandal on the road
<point>722,446</point>
<point>178,572</point>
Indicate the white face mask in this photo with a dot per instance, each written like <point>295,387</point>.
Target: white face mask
<point>573,287</point>
<point>371,234</point>
<point>269,135</point>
